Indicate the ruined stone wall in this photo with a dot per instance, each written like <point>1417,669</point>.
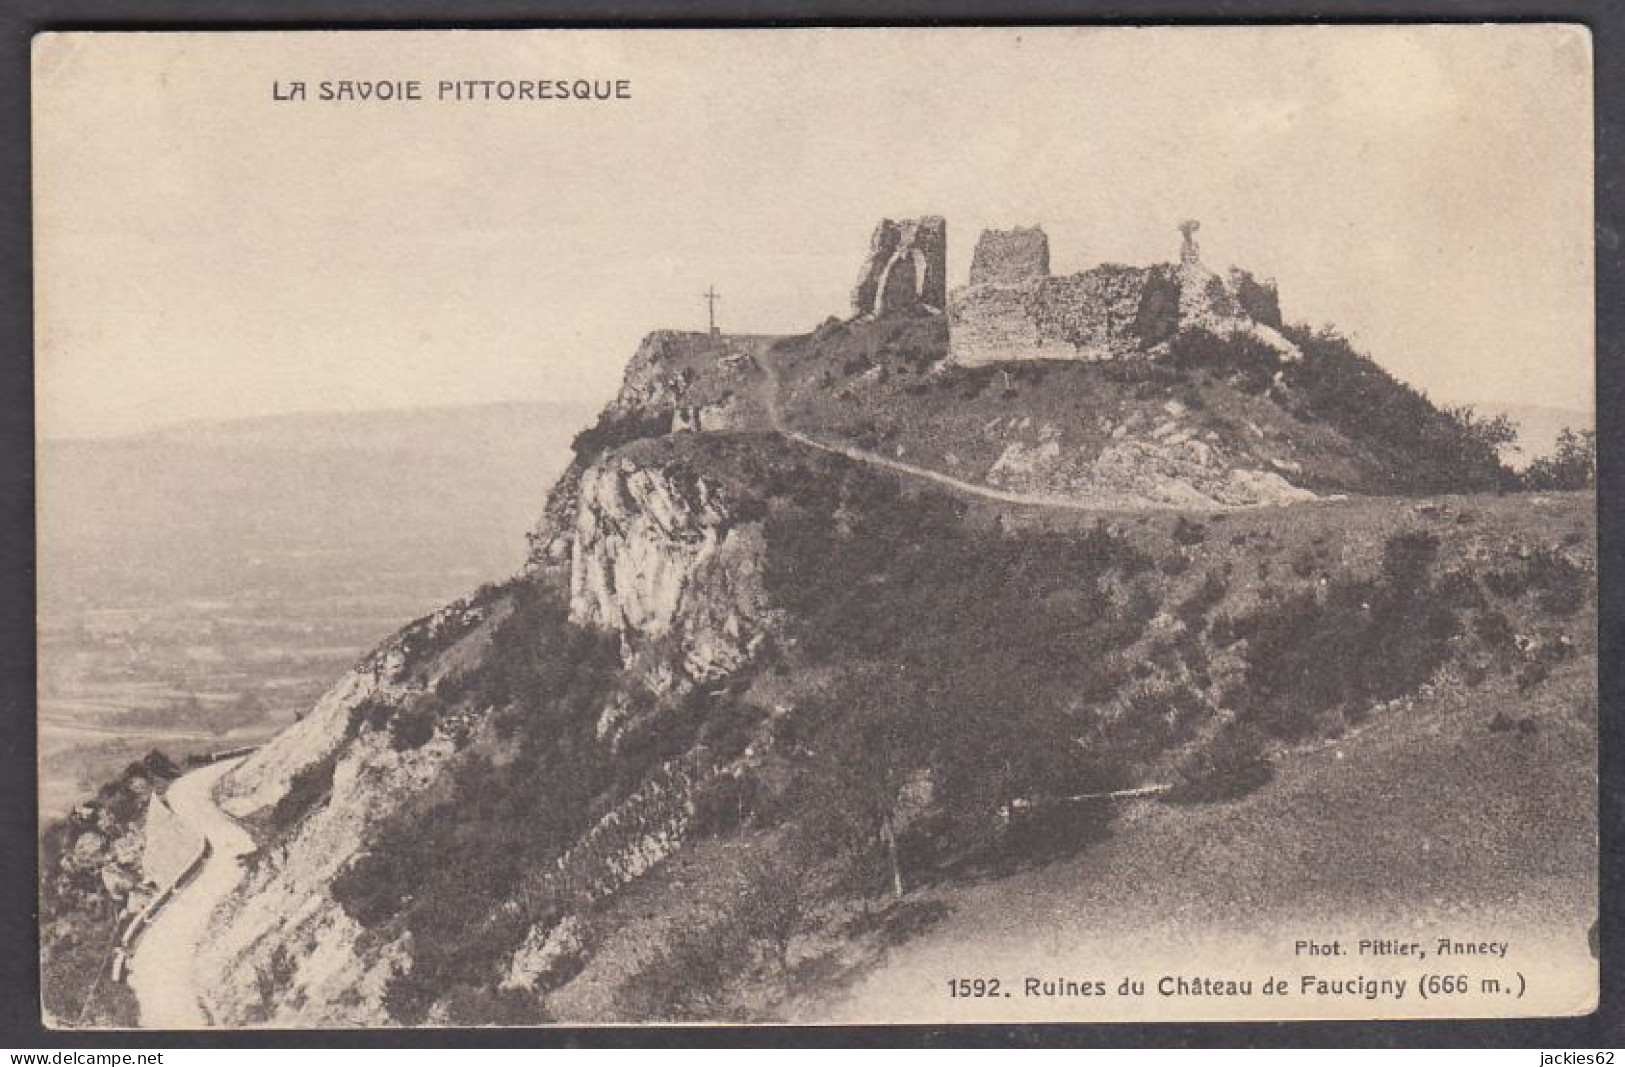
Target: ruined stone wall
<point>1097,312</point>
<point>989,324</point>
<point>1109,312</point>
<point>1014,309</point>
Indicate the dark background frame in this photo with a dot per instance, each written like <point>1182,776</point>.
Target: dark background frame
<point>19,935</point>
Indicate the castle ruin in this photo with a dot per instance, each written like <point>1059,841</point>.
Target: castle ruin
<point>1013,308</point>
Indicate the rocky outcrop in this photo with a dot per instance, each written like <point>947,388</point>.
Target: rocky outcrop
<point>677,381</point>
<point>263,779</point>
<point>675,372</point>
<point>664,560</point>
<point>413,661</point>
<point>93,881</point>
<point>907,267</point>
<point>282,948</point>
<point>550,541</point>
<point>1010,257</point>
<point>660,371</point>
<point>1169,458</point>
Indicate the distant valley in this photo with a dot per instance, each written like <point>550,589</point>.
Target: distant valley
<point>199,584</point>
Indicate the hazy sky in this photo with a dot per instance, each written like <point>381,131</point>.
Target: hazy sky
<point>206,252</point>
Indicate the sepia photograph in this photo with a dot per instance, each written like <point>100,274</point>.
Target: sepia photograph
<point>815,526</point>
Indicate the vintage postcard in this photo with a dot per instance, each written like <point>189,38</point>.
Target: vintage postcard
<point>815,526</point>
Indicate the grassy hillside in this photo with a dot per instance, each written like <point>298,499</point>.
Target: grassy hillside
<point>769,712</point>
<point>945,676</point>
<point>1469,808</point>
<point>1333,422</point>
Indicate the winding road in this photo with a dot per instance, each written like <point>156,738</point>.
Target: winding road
<point>160,968</point>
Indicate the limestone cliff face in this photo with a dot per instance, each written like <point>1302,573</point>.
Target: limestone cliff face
<point>676,381</point>
<point>661,557</point>
<point>282,948</point>
<point>664,553</point>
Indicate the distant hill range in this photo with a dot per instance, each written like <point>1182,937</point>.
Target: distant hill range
<point>186,507</point>
<point>1538,427</point>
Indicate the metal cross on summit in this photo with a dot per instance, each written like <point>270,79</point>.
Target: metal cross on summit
<point>711,297</point>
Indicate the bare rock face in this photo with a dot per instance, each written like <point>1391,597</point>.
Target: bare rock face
<point>1010,257</point>
<point>660,558</point>
<point>283,918</point>
<point>677,381</point>
<point>1150,460</point>
<point>907,266</point>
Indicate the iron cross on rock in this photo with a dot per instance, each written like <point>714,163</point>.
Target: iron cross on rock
<point>711,297</point>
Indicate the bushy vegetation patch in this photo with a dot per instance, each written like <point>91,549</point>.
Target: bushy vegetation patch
<point>1571,465</point>
<point>967,663</point>
<point>1194,610</point>
<point>443,874</point>
<point>309,788</point>
<point>1187,532</point>
<point>744,939</point>
<point>1231,764</point>
<point>1559,586</point>
<point>616,427</point>
<point>1354,642</point>
<point>911,342</point>
<point>469,876</point>
<point>1245,362</point>
<point>1420,448</point>
<point>1429,449</point>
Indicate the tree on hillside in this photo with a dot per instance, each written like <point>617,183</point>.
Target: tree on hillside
<point>1425,449</point>
<point>863,763</point>
<point>1493,436</point>
<point>771,908</point>
<point>1571,465</point>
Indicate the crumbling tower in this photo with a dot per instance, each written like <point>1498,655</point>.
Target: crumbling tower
<point>907,266</point>
<point>1010,257</point>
